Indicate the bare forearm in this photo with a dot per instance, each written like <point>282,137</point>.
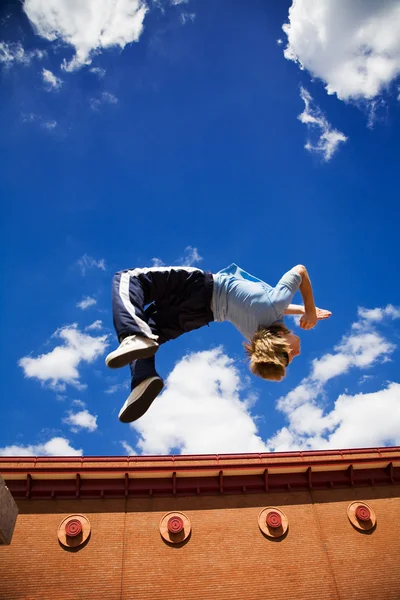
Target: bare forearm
<point>294,309</point>
<point>306,290</point>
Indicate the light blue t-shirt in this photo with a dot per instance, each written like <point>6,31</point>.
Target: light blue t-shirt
<point>249,303</point>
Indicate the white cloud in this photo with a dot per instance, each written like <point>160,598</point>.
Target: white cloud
<point>109,98</point>
<point>203,409</point>
<point>378,314</point>
<point>377,112</point>
<point>190,257</point>
<point>328,139</point>
<point>11,54</point>
<point>354,420</point>
<point>117,387</point>
<point>295,319</point>
<point>57,446</point>
<point>357,350</point>
<point>366,419</point>
<point>98,71</point>
<point>128,449</point>
<point>86,303</point>
<point>81,420</point>
<point>78,403</point>
<point>49,124</point>
<point>52,81</point>
<point>157,262</point>
<point>178,2</point>
<point>59,367</point>
<point>187,17</point>
<point>96,325</point>
<point>32,118</point>
<point>87,262</point>
<point>89,26</point>
<point>104,98</point>
<point>353,47</point>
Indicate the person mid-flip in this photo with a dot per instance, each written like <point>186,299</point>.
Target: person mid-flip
<point>154,305</point>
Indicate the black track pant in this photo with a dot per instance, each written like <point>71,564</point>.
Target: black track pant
<point>160,303</point>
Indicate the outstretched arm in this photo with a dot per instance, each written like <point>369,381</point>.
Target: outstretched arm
<point>296,309</point>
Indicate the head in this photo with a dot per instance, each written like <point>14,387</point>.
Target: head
<point>270,350</point>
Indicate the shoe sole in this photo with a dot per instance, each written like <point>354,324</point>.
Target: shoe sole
<point>121,360</point>
<point>138,407</point>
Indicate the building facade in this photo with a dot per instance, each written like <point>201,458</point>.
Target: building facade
<point>282,526</point>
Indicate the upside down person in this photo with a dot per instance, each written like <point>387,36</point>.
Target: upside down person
<point>154,305</point>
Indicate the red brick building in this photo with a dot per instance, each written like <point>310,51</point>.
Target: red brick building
<point>299,525</point>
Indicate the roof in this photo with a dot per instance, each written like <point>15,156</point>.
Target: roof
<point>191,475</point>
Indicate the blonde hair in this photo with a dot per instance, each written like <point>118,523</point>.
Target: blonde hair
<point>268,352</point>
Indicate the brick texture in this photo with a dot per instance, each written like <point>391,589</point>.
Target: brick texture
<point>322,557</point>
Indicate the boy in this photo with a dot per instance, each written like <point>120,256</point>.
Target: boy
<point>154,305</point>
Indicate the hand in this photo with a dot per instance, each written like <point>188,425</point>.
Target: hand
<point>309,320</point>
<point>323,314</point>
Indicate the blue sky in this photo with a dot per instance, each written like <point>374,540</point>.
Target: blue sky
<point>198,133</point>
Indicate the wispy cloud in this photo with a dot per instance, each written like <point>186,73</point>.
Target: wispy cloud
<point>52,81</point>
<point>89,26</point>
<point>157,262</point>
<point>49,124</point>
<point>191,256</point>
<point>33,118</point>
<point>88,262</point>
<point>57,446</point>
<point>11,54</point>
<point>327,139</point>
<point>104,98</point>
<point>117,387</point>
<point>60,367</point>
<point>86,303</point>
<point>376,315</point>
<point>96,325</point>
<point>128,449</point>
<point>187,17</point>
<point>78,403</point>
<point>98,71</point>
<point>81,420</point>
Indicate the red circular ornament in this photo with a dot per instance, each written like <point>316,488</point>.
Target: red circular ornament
<point>363,513</point>
<point>175,524</point>
<point>73,528</point>
<point>274,519</point>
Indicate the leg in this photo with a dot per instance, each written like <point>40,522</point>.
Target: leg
<point>179,300</point>
<point>146,385</point>
<point>137,340</point>
<point>128,302</point>
<point>142,369</point>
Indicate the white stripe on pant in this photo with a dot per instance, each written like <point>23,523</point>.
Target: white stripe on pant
<point>124,293</point>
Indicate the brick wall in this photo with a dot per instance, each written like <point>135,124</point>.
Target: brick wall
<point>226,556</point>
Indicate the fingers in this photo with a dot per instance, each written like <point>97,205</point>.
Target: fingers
<point>323,314</point>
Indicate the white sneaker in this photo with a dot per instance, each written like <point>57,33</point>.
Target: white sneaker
<point>140,399</point>
<point>131,348</point>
